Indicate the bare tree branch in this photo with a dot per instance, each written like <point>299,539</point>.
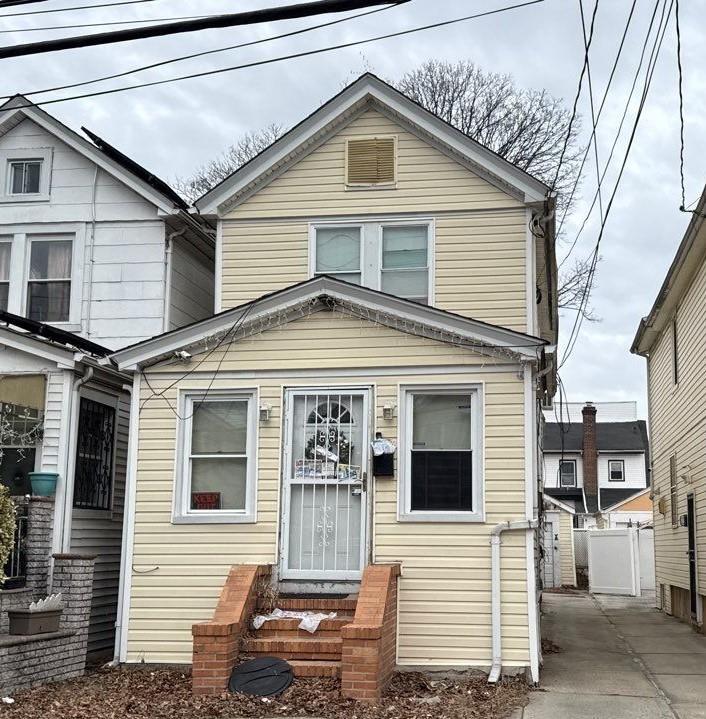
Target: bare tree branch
<point>572,285</point>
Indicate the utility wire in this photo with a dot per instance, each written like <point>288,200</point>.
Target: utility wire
<point>597,119</point>
<point>11,3</point>
<point>652,64</point>
<point>75,7</point>
<point>682,207</point>
<point>281,57</point>
<point>104,24</point>
<point>617,134</point>
<point>251,17</point>
<point>574,109</point>
<point>201,54</point>
<point>590,96</point>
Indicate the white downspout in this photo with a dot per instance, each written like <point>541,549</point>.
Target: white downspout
<point>71,459</point>
<point>91,253</point>
<point>496,613</point>
<point>167,294</point>
<point>126,551</point>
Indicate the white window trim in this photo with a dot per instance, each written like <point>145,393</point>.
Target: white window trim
<point>621,462</point>
<point>19,267</point>
<point>358,186</point>
<point>404,511</point>
<point>25,154</point>
<point>181,509</point>
<point>371,247</point>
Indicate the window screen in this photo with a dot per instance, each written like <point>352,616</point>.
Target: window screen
<point>49,285</point>
<point>25,177</point>
<point>567,473</point>
<point>404,270</point>
<point>338,253</point>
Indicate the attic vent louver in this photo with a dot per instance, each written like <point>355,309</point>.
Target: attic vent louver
<point>370,161</point>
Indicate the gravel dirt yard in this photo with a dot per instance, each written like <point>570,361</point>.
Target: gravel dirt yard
<point>165,693</point>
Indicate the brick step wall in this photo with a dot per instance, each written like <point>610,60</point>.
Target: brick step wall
<point>285,628</point>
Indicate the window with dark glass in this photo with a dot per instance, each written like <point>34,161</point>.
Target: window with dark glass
<point>49,284</point>
<point>95,446</point>
<point>25,177</point>
<point>441,453</point>
<point>567,473</point>
<point>616,470</point>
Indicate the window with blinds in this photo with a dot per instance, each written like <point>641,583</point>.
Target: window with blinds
<point>371,161</point>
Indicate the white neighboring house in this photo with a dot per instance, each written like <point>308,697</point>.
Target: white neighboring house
<point>96,253</point>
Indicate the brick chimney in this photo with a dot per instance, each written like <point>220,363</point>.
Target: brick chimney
<point>590,451</point>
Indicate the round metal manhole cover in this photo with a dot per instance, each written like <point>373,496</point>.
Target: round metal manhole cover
<point>261,677</point>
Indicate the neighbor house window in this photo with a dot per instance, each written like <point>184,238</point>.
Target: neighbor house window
<point>673,496</point>
<point>441,454</point>
<point>95,455</point>
<point>567,473</point>
<point>49,283</point>
<point>338,253</point>
<point>25,177</point>
<point>5,254</point>
<point>616,470</point>
<point>394,257</point>
<point>218,476</point>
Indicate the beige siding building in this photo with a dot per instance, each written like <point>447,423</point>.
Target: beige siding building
<point>673,340</point>
<point>358,297</point>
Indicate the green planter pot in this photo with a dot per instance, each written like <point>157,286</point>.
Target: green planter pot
<point>43,483</point>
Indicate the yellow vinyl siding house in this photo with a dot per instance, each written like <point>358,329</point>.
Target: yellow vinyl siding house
<point>406,308</point>
<point>673,340</point>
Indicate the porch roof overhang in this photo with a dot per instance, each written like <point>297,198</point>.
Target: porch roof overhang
<point>326,292</point>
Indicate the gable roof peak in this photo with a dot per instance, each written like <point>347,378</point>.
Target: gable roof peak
<point>300,140</point>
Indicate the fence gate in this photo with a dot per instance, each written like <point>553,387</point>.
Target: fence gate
<point>551,564</point>
<point>613,562</point>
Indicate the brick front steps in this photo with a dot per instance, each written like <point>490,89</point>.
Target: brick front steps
<point>358,645</point>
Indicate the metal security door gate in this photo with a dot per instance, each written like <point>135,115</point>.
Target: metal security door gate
<point>324,484</point>
<point>551,566</point>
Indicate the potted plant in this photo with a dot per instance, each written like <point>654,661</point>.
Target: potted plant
<point>40,618</point>
<point>43,483</point>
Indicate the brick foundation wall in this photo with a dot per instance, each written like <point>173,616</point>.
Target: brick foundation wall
<point>370,640</point>
<point>217,642</point>
<point>28,661</point>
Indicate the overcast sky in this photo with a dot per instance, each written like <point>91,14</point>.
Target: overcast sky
<point>173,128</point>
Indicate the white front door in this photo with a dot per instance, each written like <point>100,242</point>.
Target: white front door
<point>550,542</point>
<point>324,484</point>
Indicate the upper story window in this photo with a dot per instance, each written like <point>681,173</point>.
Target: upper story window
<point>673,492</point>
<point>49,283</point>
<point>567,473</point>
<point>394,257</point>
<point>24,177</point>
<point>371,162</point>
<point>616,470</point>
<point>675,356</point>
<point>5,256</point>
<point>25,174</point>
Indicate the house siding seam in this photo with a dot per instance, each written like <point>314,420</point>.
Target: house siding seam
<point>677,427</point>
<point>447,627</point>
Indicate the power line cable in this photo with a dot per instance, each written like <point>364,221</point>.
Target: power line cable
<point>203,53</point>
<point>680,88</point>
<point>74,7</point>
<point>250,17</point>
<point>590,96</point>
<point>11,3</point>
<point>597,119</point>
<point>280,58</point>
<point>74,26</point>
<point>636,77</point>
<point>574,109</point>
<point>654,57</point>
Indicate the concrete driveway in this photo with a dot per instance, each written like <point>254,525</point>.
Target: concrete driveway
<point>620,658</point>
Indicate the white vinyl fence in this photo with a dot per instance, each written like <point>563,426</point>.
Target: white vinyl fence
<point>613,562</point>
